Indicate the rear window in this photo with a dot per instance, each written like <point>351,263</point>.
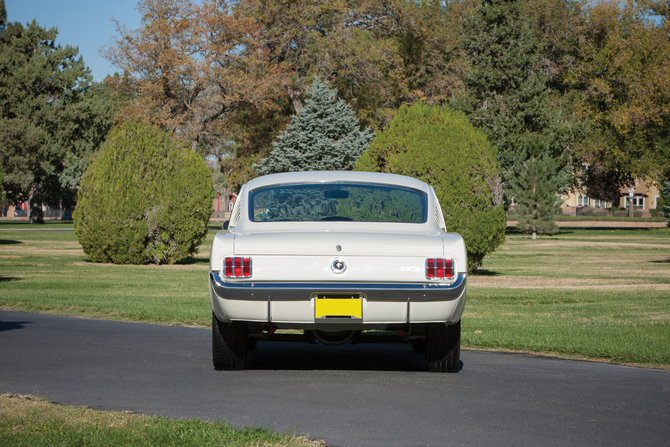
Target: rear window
<point>355,202</point>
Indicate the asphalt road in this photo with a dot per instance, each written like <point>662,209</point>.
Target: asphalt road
<point>363,395</point>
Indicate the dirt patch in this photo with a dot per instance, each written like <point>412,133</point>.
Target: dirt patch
<point>24,251</point>
<point>203,267</point>
<point>539,282</point>
<point>605,223</point>
<point>589,244</point>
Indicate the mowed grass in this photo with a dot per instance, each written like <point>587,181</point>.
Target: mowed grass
<point>47,271</point>
<point>598,294</point>
<point>26,421</point>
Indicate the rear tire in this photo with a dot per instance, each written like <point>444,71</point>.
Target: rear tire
<point>229,344</point>
<point>443,347</point>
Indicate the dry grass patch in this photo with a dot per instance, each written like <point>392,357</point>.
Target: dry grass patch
<point>540,282</point>
<point>195,266</point>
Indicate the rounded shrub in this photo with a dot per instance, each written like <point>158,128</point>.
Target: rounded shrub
<point>440,147</point>
<point>143,200</point>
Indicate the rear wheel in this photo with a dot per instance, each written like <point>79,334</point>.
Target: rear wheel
<point>229,344</point>
<point>443,347</point>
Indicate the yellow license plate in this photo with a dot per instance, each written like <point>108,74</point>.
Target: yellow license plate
<point>338,308</point>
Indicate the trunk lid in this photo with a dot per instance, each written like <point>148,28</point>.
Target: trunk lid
<point>325,243</point>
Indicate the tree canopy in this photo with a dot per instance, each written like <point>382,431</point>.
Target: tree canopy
<point>509,95</point>
<point>587,79</point>
<point>52,118</point>
<point>7,29</point>
<point>227,76</point>
<point>623,77</point>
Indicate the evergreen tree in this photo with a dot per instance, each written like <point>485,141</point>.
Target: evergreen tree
<point>665,200</point>
<point>324,136</point>
<point>7,29</point>
<point>440,147</point>
<point>52,119</point>
<point>534,190</point>
<point>143,200</point>
<point>508,95</point>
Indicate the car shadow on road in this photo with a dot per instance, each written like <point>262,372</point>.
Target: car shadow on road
<point>361,357</point>
<point>11,325</point>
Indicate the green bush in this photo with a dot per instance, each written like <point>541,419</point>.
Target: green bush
<point>593,211</point>
<point>144,199</point>
<point>440,147</point>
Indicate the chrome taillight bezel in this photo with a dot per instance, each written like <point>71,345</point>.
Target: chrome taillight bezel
<point>229,267</point>
<point>445,263</point>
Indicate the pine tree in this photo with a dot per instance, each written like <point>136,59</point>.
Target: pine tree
<point>52,120</point>
<point>665,200</point>
<point>7,29</point>
<point>324,136</point>
<point>534,190</point>
<point>508,94</point>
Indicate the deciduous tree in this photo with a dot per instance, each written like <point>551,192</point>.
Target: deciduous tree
<point>192,66</point>
<point>378,54</point>
<point>623,74</point>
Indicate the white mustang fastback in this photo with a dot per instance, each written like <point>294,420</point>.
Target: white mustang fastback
<point>340,257</point>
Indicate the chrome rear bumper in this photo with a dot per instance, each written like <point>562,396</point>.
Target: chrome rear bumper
<point>401,292</point>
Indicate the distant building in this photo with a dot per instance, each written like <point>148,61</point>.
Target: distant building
<point>645,198</point>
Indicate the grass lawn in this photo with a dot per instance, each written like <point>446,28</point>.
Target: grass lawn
<point>601,294</point>
<point>26,421</point>
<point>47,271</point>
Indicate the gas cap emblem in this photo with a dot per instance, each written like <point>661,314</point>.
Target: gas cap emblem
<point>338,265</point>
<point>338,247</point>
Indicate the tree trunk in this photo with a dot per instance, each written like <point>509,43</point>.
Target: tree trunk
<point>35,214</point>
<point>496,187</point>
<point>534,234</point>
<point>631,211</point>
<point>295,97</point>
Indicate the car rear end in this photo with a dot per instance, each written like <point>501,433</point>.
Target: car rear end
<point>334,278</point>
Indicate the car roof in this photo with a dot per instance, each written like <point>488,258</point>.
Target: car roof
<point>336,176</point>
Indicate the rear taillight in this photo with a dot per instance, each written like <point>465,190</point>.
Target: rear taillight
<point>439,268</point>
<point>237,267</point>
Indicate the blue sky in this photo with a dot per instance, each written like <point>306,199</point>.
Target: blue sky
<point>86,24</point>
